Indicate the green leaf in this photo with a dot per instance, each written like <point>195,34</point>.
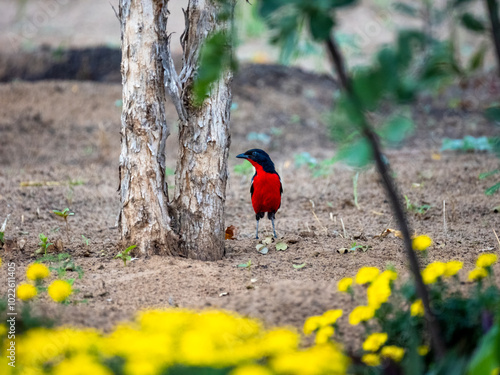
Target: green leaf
<point>488,174</point>
<point>299,266</point>
<point>281,246</point>
<point>245,265</point>
<point>320,25</point>
<point>477,60</point>
<point>472,23</point>
<point>406,9</point>
<point>215,58</point>
<point>356,154</point>
<point>397,129</point>
<point>493,189</point>
<point>128,249</point>
<point>468,143</point>
<point>485,358</point>
<point>493,114</point>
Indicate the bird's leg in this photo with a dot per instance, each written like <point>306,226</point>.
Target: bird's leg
<point>257,231</point>
<point>274,231</point>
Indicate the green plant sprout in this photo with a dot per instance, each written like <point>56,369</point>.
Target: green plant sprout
<point>44,244</point>
<point>355,189</point>
<point>355,246</point>
<point>124,255</point>
<point>246,265</point>
<point>85,240</point>
<point>422,209</point>
<point>64,262</point>
<point>64,214</point>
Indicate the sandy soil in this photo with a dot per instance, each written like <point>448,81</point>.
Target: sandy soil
<point>65,131</point>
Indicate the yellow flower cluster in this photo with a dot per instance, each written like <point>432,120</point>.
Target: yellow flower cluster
<point>26,292</point>
<point>59,290</point>
<point>37,272</point>
<point>323,324</point>
<point>377,293</point>
<point>417,308</point>
<point>483,266</point>
<point>421,243</point>
<point>477,274</point>
<point>379,290</point>
<point>435,270</point>
<point>160,339</point>
<point>486,260</point>
<point>344,284</point>
<point>361,314</point>
<point>366,275</point>
<point>374,342</point>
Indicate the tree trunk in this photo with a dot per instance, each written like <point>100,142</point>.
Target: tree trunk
<point>201,176</point>
<point>192,224</point>
<point>145,216</point>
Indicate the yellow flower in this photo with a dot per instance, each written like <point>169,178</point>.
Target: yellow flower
<point>423,350</point>
<point>366,275</point>
<point>59,290</point>
<point>477,274</point>
<point>312,324</point>
<point>26,292</point>
<point>433,272</point>
<point>3,329</point>
<point>374,342</point>
<point>371,359</point>
<point>279,340</point>
<point>379,290</point>
<point>421,243</point>
<point>344,284</point>
<point>393,352</point>
<point>486,260</point>
<point>0,262</point>
<point>319,359</point>
<point>361,314</point>
<point>251,370</point>
<point>331,317</point>
<point>417,308</point>
<point>81,364</point>
<point>324,334</point>
<point>452,268</point>
<point>37,271</point>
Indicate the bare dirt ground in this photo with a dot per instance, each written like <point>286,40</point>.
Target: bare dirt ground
<point>64,131</point>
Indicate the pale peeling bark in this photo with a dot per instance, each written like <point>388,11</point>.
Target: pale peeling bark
<point>145,217</point>
<point>201,176</point>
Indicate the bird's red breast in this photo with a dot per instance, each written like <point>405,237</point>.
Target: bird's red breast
<point>266,187</point>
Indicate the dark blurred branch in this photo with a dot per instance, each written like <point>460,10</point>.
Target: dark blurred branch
<point>390,186</point>
<point>492,6</point>
<point>338,63</point>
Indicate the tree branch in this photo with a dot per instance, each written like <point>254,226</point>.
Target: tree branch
<point>172,82</point>
<point>390,187</point>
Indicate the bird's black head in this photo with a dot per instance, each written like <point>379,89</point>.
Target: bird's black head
<point>259,157</point>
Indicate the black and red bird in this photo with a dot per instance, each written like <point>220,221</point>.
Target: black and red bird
<point>266,188</point>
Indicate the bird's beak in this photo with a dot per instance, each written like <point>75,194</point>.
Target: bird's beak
<point>242,156</point>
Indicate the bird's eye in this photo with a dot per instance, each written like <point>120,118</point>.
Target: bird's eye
<point>254,153</point>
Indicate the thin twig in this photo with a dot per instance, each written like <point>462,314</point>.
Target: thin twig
<point>116,13</point>
<point>497,238</point>
<point>343,228</point>
<point>445,227</point>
